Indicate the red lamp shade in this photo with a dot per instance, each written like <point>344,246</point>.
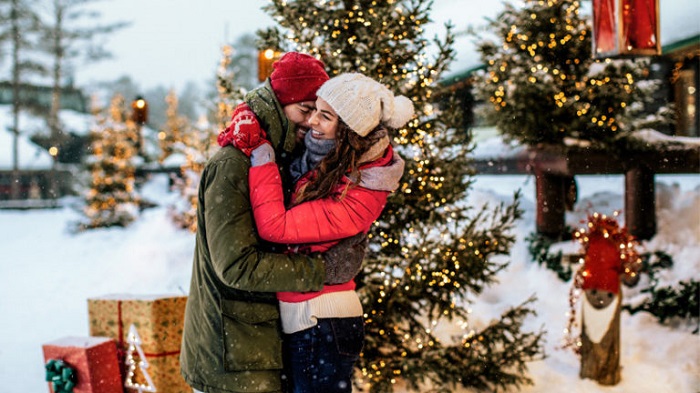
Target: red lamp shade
<point>626,28</point>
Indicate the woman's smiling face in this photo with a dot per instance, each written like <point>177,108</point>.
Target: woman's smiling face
<point>324,121</point>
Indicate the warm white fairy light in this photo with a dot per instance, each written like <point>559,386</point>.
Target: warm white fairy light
<point>134,341</point>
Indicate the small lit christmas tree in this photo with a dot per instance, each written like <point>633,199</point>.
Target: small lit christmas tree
<point>137,376</point>
<point>227,96</point>
<point>430,253</point>
<point>544,85</point>
<point>174,129</point>
<point>198,144</point>
<point>111,199</point>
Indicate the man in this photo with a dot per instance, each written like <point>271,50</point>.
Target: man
<point>232,335</point>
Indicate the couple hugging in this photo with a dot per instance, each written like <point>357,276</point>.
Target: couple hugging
<point>305,168</point>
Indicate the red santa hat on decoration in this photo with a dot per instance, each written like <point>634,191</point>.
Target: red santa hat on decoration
<point>602,264</point>
<point>296,77</point>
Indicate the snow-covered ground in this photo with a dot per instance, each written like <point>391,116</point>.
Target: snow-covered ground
<point>47,273</point>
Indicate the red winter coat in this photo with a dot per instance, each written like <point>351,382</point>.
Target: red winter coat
<point>319,224</point>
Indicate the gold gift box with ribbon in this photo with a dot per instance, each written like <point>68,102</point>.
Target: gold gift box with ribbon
<point>159,321</point>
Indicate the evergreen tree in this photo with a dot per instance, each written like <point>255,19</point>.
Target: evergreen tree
<point>430,254</point>
<point>244,62</point>
<point>670,304</point>
<point>198,144</point>
<point>67,38</point>
<point>545,86</point>
<point>21,35</point>
<point>228,93</point>
<point>111,199</point>
<point>174,129</point>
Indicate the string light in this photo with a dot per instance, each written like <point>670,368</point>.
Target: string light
<point>134,341</point>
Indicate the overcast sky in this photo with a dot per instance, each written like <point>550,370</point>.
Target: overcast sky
<point>171,42</point>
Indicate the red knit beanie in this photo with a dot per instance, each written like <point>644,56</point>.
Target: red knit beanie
<point>296,77</point>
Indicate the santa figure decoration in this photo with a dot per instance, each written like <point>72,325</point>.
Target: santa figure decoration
<point>609,258</point>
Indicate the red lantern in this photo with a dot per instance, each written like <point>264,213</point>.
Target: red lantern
<point>266,58</point>
<point>139,108</point>
<point>626,28</point>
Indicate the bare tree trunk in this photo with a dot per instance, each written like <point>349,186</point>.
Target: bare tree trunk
<point>54,121</point>
<point>14,16</point>
<point>54,125</point>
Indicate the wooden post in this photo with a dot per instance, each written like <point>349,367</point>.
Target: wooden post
<point>640,202</point>
<point>600,355</point>
<point>551,204</point>
<point>600,316</point>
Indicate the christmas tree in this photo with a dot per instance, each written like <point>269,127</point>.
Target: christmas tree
<point>545,86</point>
<point>430,254</point>
<point>111,199</point>
<point>197,143</point>
<point>174,129</point>
<point>137,379</point>
<point>227,95</point>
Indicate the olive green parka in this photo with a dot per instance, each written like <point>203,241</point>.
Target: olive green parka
<point>232,336</point>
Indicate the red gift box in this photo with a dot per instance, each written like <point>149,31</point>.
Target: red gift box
<point>94,360</point>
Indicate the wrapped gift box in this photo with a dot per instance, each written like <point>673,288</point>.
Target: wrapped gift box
<point>93,359</point>
<point>159,320</point>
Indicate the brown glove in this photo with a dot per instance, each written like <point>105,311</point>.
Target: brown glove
<point>344,260</point>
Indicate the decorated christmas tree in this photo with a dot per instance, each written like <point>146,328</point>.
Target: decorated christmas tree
<point>228,95</point>
<point>111,199</point>
<point>431,253</point>
<point>544,85</point>
<point>175,127</point>
<point>198,143</point>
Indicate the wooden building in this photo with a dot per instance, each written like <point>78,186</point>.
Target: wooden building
<point>38,181</point>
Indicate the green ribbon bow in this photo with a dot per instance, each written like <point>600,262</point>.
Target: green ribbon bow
<point>61,376</point>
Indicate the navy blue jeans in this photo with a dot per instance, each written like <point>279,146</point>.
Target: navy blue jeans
<point>321,359</point>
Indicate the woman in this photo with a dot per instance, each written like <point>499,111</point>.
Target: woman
<point>344,177</point>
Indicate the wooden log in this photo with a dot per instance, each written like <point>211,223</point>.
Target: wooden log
<point>600,359</point>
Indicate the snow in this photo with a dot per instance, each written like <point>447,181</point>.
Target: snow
<point>656,137</point>
<point>489,146</point>
<point>48,273</point>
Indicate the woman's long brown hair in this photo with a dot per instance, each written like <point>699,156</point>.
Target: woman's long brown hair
<point>343,158</point>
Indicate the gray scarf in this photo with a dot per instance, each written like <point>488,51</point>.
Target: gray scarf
<point>316,149</point>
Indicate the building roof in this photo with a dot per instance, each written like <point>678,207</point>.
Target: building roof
<point>683,45</point>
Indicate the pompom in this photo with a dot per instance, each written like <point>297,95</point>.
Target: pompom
<point>403,112</point>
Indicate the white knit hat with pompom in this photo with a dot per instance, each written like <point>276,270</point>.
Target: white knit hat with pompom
<point>362,103</point>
